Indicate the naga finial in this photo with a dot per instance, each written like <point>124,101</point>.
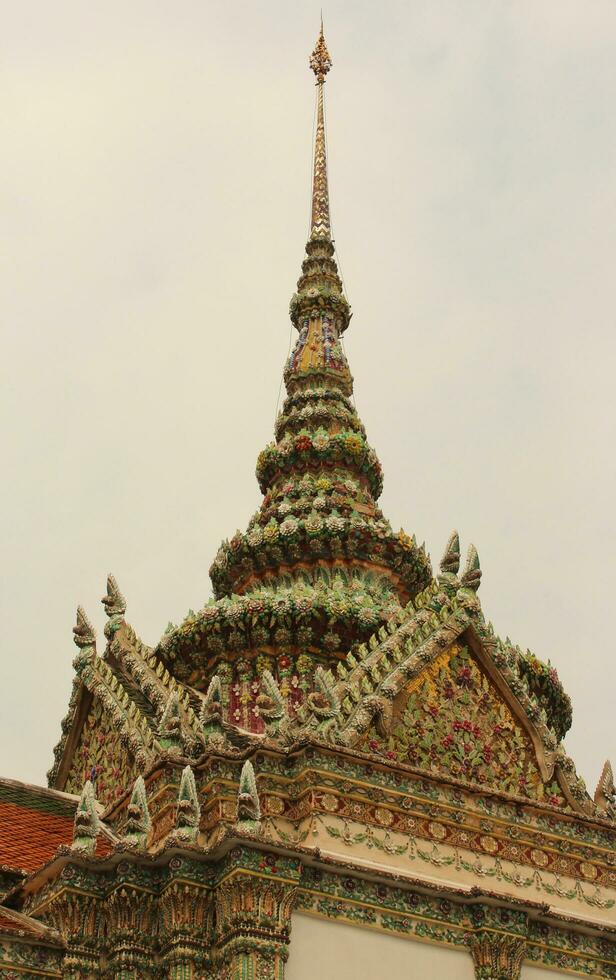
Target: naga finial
<point>471,579</point>
<point>450,562</point>
<point>115,606</point>
<point>84,634</point>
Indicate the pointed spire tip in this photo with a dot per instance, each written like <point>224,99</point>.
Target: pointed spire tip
<point>320,60</point>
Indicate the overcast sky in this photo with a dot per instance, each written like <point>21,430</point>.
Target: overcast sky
<point>155,197</point>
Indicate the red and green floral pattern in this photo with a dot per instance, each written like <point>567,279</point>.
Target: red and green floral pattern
<point>101,758</point>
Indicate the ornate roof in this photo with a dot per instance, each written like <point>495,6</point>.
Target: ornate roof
<point>439,644</point>
<point>324,620</point>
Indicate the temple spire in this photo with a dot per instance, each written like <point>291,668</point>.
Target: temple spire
<point>320,63</point>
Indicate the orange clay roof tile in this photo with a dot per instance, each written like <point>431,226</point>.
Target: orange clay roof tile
<point>29,837</point>
<point>33,823</point>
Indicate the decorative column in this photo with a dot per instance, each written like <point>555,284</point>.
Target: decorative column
<point>131,929</point>
<point>498,942</point>
<point>186,930</point>
<point>77,917</point>
<point>254,901</point>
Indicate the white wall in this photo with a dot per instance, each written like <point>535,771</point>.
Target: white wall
<point>324,950</point>
<point>538,973</point>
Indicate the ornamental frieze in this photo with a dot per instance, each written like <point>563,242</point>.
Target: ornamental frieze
<point>297,801</point>
<point>414,914</point>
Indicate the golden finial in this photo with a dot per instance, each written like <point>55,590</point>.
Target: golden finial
<point>320,61</point>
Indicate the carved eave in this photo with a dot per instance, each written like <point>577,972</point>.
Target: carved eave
<point>72,726</point>
<point>545,756</point>
<point>28,928</point>
<point>129,656</point>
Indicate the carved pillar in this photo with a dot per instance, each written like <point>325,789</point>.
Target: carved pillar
<point>131,931</point>
<point>253,924</point>
<point>77,917</point>
<point>186,930</point>
<point>497,956</point>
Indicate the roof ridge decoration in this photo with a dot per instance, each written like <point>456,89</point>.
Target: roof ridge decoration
<point>102,682</point>
<point>211,708</point>
<point>87,823</point>
<point>248,805</point>
<point>188,809</point>
<point>138,821</point>
<point>95,679</point>
<point>84,637</point>
<point>126,657</point>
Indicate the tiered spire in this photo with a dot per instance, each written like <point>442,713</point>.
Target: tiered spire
<point>319,568</point>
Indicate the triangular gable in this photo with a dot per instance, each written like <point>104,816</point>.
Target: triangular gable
<point>107,734</point>
<point>454,720</point>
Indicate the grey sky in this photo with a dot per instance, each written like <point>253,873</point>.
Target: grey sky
<point>155,185</point>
